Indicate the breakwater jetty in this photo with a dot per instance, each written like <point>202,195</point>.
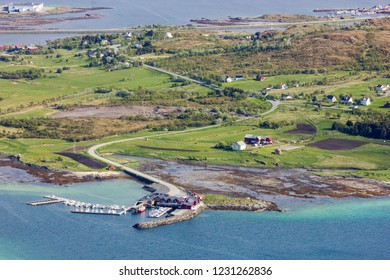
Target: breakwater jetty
<point>179,215</point>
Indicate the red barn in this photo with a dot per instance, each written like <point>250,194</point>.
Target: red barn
<point>252,139</point>
<point>267,140</point>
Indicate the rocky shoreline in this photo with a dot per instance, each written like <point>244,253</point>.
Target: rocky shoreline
<point>45,175</point>
<point>263,183</point>
<point>22,21</point>
<point>269,206</point>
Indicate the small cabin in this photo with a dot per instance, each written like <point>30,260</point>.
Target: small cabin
<point>260,78</point>
<point>331,99</point>
<point>283,86</point>
<point>239,146</point>
<point>382,87</point>
<point>365,101</point>
<point>346,99</point>
<point>168,35</point>
<point>278,151</point>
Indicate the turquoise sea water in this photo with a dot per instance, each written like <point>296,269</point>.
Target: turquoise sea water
<point>338,229</point>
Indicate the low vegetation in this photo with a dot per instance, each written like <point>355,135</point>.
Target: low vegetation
<point>300,66</point>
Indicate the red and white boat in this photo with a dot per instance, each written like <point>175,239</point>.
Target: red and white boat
<point>141,209</point>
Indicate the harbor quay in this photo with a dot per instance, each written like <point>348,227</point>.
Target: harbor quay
<point>166,209</point>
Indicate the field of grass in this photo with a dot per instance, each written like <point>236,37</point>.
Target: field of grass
<point>199,146</point>
<point>76,85</point>
<point>253,85</point>
<point>223,199</point>
<point>41,152</point>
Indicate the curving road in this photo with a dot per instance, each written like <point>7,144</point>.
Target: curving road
<point>172,189</point>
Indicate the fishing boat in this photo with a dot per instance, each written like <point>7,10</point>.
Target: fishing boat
<point>141,209</point>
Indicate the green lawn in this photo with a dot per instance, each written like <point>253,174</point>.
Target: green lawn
<point>41,152</point>
<point>76,85</point>
<point>199,146</point>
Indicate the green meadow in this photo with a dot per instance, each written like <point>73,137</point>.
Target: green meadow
<point>75,85</point>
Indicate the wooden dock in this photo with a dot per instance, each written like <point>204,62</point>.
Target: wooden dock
<point>45,202</point>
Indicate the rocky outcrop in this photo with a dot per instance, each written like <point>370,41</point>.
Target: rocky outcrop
<point>252,207</point>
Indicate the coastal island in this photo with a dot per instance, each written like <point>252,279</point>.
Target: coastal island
<point>26,15</point>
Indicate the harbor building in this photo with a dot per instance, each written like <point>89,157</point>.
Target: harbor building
<point>22,7</point>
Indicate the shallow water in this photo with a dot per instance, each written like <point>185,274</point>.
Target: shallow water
<point>336,229</point>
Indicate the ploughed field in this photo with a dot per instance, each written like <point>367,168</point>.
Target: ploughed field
<point>303,128</point>
<point>337,144</point>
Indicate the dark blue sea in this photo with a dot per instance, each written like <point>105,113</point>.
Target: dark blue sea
<point>337,229</point>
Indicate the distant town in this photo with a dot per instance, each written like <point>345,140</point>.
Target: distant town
<point>27,7</point>
<point>378,9</point>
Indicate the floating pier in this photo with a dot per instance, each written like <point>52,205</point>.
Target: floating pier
<point>158,212</point>
<point>45,202</point>
<point>99,213</point>
<point>83,207</point>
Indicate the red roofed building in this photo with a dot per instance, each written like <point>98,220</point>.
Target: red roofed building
<point>252,139</point>
<point>260,78</point>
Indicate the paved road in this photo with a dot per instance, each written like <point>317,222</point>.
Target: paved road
<point>181,77</point>
<point>172,189</point>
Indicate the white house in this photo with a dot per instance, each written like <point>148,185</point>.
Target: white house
<point>382,87</point>
<point>239,146</point>
<point>331,98</point>
<point>229,79</point>
<point>346,99</point>
<point>283,86</point>
<point>127,35</point>
<point>365,101</point>
<point>168,35</point>
<point>286,96</point>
